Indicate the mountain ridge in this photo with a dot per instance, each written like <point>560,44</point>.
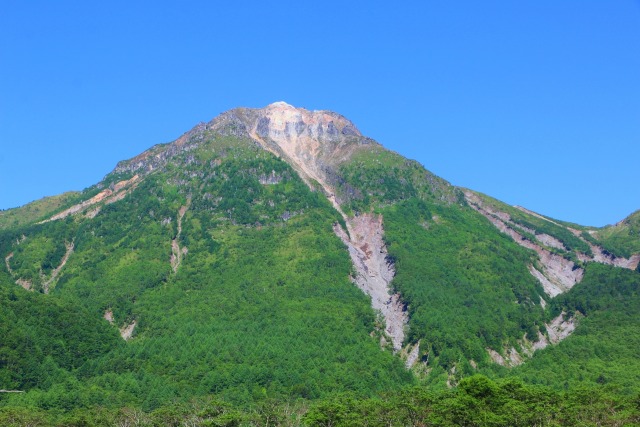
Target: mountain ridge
<point>269,217</point>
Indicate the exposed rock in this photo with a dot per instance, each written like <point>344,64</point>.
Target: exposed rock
<point>604,257</point>
<point>109,195</point>
<point>7,262</point>
<point>46,282</point>
<point>540,343</point>
<point>559,328</point>
<point>543,303</point>
<point>157,156</point>
<point>496,357</point>
<point>270,179</point>
<point>92,213</point>
<point>126,332</point>
<point>558,273</point>
<point>108,316</point>
<point>599,254</point>
<point>412,355</point>
<point>513,357</point>
<point>369,256</point>
<point>176,252</point>
<point>20,282</point>
<point>56,271</point>
<point>26,284</point>
<point>550,241</point>
<point>311,142</point>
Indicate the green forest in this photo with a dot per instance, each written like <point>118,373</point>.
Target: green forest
<point>213,291</point>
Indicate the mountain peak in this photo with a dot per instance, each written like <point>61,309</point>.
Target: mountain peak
<point>280,104</point>
<point>280,120</point>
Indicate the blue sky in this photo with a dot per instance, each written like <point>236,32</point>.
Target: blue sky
<point>536,103</point>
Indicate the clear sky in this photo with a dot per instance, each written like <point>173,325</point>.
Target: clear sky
<point>534,102</point>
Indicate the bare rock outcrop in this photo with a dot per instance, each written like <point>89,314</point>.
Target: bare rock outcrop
<point>108,316</point>
<point>110,195</point>
<point>599,254</point>
<point>374,271</point>
<point>557,330</point>
<point>312,142</point>
<point>126,332</point>
<point>176,251</point>
<point>412,355</point>
<point>511,358</point>
<point>46,284</point>
<point>560,328</point>
<point>25,284</point>
<point>556,274</point>
<point>602,256</point>
<point>7,262</point>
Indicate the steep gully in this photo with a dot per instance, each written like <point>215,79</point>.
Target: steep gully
<point>56,271</point>
<point>46,281</point>
<point>556,275</point>
<point>297,135</point>
<point>112,194</point>
<point>176,251</point>
<point>126,331</point>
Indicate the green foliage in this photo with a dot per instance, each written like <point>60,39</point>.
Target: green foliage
<point>262,300</point>
<point>604,348</point>
<point>542,225</point>
<point>622,239</point>
<point>35,211</point>
<point>33,252</point>
<point>43,339</point>
<point>261,312</point>
<point>477,401</point>
<point>377,177</point>
<point>453,264</point>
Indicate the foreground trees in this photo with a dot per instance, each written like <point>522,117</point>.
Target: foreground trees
<point>477,401</point>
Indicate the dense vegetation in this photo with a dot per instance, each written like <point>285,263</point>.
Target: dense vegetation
<point>376,177</point>
<point>225,266</point>
<point>622,239</point>
<point>466,284</point>
<point>44,339</point>
<point>477,401</point>
<point>604,349</point>
<point>262,300</point>
<point>35,211</point>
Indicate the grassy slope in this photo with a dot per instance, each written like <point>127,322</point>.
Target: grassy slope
<point>35,211</point>
<point>623,238</point>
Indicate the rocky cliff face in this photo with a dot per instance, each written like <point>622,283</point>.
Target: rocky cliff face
<point>315,143</point>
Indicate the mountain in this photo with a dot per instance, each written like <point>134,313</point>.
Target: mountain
<point>278,252</point>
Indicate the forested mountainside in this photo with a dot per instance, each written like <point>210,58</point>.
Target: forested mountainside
<point>278,255</point>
